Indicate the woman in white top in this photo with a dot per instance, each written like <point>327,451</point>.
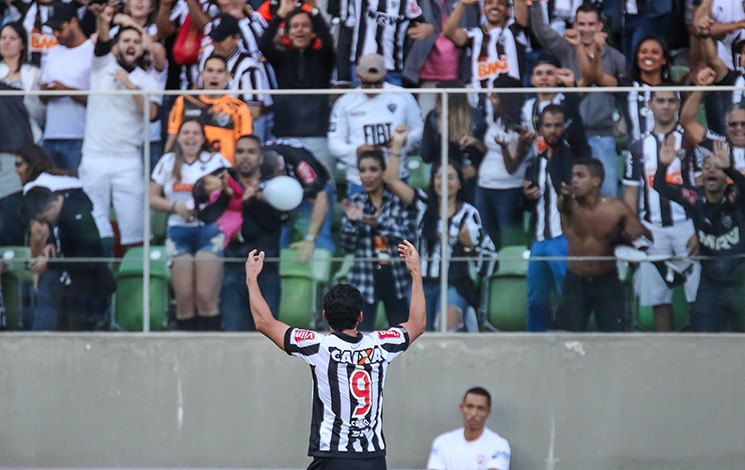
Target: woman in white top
<point>15,70</point>
<point>502,171</point>
<point>195,249</point>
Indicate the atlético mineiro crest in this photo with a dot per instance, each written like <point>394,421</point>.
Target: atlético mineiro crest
<point>392,107</point>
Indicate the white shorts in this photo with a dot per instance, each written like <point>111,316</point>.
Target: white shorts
<point>670,241</point>
<point>119,180</point>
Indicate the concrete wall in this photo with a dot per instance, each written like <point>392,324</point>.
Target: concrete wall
<point>563,401</point>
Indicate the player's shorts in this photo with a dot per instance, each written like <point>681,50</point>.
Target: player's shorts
<point>193,239</point>
<point>109,179</point>
<point>667,241</point>
<point>329,463</point>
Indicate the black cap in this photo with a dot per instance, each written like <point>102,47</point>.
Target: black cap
<point>60,13</point>
<point>224,26</point>
<point>546,58</point>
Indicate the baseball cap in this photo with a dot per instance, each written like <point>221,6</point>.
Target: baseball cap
<point>371,67</point>
<point>224,26</point>
<point>546,58</point>
<point>61,13</point>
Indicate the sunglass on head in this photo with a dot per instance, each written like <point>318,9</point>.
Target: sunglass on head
<point>378,84</point>
<point>736,123</point>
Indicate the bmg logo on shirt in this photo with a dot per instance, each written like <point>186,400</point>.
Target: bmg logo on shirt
<point>389,334</point>
<point>378,134</point>
<point>304,335</point>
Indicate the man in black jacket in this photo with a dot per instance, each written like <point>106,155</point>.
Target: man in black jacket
<point>68,224</point>
<point>543,179</point>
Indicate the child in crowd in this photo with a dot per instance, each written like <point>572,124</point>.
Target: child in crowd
<point>223,194</point>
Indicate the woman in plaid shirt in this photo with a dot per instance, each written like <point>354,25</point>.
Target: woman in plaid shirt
<point>376,221</point>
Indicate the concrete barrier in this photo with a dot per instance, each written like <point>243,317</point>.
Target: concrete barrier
<point>229,400</point>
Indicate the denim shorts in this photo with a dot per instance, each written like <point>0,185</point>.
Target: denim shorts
<point>182,240</point>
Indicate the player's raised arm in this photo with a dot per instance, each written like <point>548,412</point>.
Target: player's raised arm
<point>417,309</point>
<point>265,323</point>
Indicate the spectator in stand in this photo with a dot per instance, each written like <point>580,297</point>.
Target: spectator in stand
<point>668,221</point>
<point>547,73</point>
<point>67,67</point>
<point>642,19</point>
<point>497,48</point>
<point>34,15</point>
<point>433,58</point>
<point>80,291</point>
<point>194,249</point>
<point>304,60</point>
<point>362,122</point>
<point>719,220</point>
<point>17,72</point>
<point>375,222</point>
<point>465,233</point>
<point>502,171</point>
<point>651,67</point>
<point>576,47</point>
<point>111,168</point>
<point>224,117</point>
<point>724,21</point>
<point>474,446</point>
<point>244,69</point>
<point>261,230</point>
<point>377,26</point>
<point>465,131</point>
<point>545,174</point>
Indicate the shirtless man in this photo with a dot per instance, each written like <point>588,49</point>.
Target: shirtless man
<point>593,224</point>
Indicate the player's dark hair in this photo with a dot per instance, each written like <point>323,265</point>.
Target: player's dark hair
<point>35,202</point>
<point>375,154</point>
<point>636,73</point>
<point>553,108</point>
<point>479,391</point>
<point>342,304</point>
<point>594,166</point>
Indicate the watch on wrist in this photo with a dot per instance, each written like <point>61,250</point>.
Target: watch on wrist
<point>310,238</point>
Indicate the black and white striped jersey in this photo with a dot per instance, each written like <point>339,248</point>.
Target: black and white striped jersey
<point>736,154</point>
<point>348,378</point>
<point>379,26</point>
<point>641,119</point>
<point>245,72</point>
<point>641,166</point>
<point>495,52</point>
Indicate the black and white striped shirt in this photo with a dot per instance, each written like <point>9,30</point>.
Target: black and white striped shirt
<point>641,119</point>
<point>542,171</point>
<point>379,26</point>
<point>245,73</point>
<point>641,166</point>
<point>348,378</point>
<point>495,52</point>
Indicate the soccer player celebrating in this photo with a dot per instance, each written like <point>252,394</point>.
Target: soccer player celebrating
<point>348,368</point>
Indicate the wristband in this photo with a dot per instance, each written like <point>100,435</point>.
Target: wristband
<point>173,209</point>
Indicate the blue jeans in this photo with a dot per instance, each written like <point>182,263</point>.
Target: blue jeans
<point>65,153</point>
<point>47,302</point>
<point>604,149</point>
<point>234,306</point>
<point>303,213</point>
<point>263,126</point>
<point>156,150</point>
<point>501,213</point>
<point>543,276</point>
<point>432,298</point>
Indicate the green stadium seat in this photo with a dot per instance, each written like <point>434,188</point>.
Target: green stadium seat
<point>301,285</point>
<point>340,276</point>
<point>16,274</point>
<point>159,226</point>
<point>128,312</point>
<point>506,291</point>
<point>677,72</point>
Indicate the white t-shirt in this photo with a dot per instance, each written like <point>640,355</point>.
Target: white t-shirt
<point>71,67</point>
<point>451,451</point>
<point>357,119</point>
<point>114,124</point>
<point>181,191</point>
<point>492,173</point>
<point>727,11</point>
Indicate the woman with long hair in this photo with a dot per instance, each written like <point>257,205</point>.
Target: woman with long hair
<point>502,171</point>
<point>375,222</point>
<point>17,72</point>
<point>465,131</point>
<point>466,237</point>
<point>194,249</point>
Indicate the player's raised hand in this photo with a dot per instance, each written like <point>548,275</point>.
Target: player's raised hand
<point>721,154</point>
<point>407,251</point>
<point>254,265</point>
<point>668,151</point>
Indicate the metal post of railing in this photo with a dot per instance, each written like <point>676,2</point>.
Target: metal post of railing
<point>146,216</point>
<point>444,257</point>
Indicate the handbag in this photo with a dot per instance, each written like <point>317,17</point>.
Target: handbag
<point>188,42</point>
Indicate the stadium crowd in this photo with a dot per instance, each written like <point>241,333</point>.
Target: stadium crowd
<point>68,160</point>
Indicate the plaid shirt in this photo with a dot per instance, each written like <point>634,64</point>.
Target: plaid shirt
<point>396,223</point>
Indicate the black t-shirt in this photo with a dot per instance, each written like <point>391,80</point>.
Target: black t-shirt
<point>300,163</point>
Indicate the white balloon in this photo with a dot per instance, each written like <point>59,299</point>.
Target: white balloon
<point>284,193</point>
